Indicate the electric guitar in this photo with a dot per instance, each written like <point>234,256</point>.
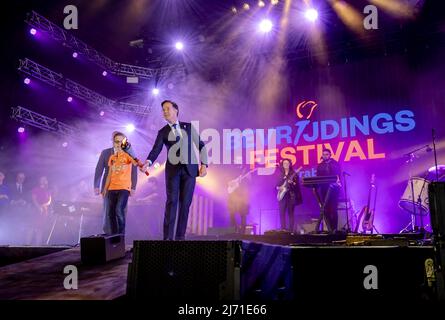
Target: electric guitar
<point>234,184</point>
<point>367,213</point>
<point>284,188</point>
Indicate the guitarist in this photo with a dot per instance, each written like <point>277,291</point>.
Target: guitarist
<point>329,167</point>
<point>238,201</point>
<point>292,197</point>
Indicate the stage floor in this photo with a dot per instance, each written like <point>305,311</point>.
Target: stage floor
<point>42,278</point>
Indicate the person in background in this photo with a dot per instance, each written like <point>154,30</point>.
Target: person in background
<point>20,205</point>
<point>238,199</point>
<point>19,192</point>
<point>292,197</point>
<point>4,194</point>
<point>41,199</point>
<point>329,167</point>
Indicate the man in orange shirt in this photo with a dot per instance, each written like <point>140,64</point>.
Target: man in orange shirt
<point>119,183</point>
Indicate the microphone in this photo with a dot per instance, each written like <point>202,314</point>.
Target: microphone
<point>126,147</point>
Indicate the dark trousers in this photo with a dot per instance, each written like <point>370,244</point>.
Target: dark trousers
<point>331,206</point>
<point>242,227</point>
<point>287,205</point>
<point>180,188</point>
<point>115,203</point>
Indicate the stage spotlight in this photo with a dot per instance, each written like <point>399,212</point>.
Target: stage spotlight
<point>179,45</point>
<point>261,4</point>
<point>234,10</point>
<point>69,99</point>
<point>27,81</point>
<point>102,113</point>
<point>33,31</point>
<point>65,144</point>
<point>274,2</point>
<point>75,54</point>
<point>155,91</point>
<point>311,14</point>
<point>266,25</point>
<point>21,130</point>
<point>104,73</point>
<point>246,6</point>
<point>130,127</point>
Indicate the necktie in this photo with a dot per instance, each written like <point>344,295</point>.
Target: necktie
<point>176,132</point>
<point>178,137</point>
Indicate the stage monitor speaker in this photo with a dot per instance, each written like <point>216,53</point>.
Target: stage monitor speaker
<point>99,249</point>
<point>191,270</point>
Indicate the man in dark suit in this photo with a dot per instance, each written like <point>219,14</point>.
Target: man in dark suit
<point>100,178</point>
<point>184,164</point>
<point>19,193</point>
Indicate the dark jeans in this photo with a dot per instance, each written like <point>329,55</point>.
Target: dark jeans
<point>331,207</point>
<point>115,203</point>
<point>287,204</point>
<point>180,188</point>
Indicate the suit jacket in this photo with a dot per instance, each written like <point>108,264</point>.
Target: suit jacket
<point>192,142</point>
<point>102,166</point>
<point>16,195</point>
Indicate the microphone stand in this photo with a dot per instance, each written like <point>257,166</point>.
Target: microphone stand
<point>435,153</point>
<point>348,230</point>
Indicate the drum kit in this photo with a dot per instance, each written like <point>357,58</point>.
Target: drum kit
<point>415,198</point>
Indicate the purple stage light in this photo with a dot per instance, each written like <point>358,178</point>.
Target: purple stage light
<point>27,81</point>
<point>65,144</point>
<point>155,91</point>
<point>102,113</point>
<point>130,127</point>
<point>21,130</point>
<point>265,25</point>
<point>75,54</point>
<point>311,14</point>
<point>179,45</point>
<point>33,31</point>
<point>69,99</point>
<point>104,73</point>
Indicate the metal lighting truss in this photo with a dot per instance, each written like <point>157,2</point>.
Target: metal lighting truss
<point>40,121</point>
<point>39,22</point>
<point>57,80</point>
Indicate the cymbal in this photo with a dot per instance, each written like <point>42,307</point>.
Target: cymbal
<point>440,168</point>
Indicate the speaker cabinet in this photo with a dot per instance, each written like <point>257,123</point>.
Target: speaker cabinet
<point>191,270</point>
<point>99,249</point>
